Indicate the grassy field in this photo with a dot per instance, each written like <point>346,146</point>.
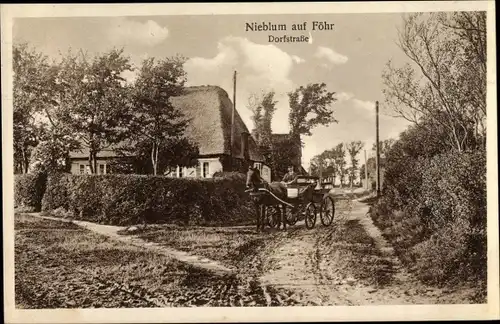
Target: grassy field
<point>59,265</point>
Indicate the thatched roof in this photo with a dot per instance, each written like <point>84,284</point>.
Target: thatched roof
<point>209,110</point>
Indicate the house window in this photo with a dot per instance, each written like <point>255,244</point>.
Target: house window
<point>258,166</point>
<point>87,169</point>
<point>82,169</point>
<point>179,172</point>
<point>102,169</point>
<point>206,169</point>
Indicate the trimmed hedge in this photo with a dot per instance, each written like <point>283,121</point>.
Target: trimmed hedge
<point>134,199</point>
<point>29,190</point>
<point>57,194</point>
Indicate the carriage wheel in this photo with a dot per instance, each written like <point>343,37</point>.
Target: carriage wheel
<point>310,215</point>
<point>291,217</point>
<point>273,216</point>
<point>327,211</point>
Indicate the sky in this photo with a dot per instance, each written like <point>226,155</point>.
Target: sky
<point>349,59</point>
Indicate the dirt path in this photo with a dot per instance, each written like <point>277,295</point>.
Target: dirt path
<point>322,268</point>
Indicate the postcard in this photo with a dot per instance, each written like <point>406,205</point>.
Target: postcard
<point>249,162</point>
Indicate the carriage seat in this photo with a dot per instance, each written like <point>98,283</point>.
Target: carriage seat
<point>299,192</point>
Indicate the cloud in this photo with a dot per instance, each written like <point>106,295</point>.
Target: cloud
<point>330,55</point>
<point>127,31</point>
<point>343,96</point>
<point>259,67</point>
<point>368,105</point>
<point>297,59</point>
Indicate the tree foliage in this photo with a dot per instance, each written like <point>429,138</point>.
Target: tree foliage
<point>33,81</point>
<point>353,149</point>
<point>263,107</point>
<point>446,82</point>
<point>156,123</point>
<point>310,107</point>
<point>283,154</point>
<point>95,105</point>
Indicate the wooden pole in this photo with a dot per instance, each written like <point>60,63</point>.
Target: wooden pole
<point>366,172</point>
<point>377,158</point>
<point>232,121</point>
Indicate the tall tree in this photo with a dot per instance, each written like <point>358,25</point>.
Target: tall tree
<point>95,105</point>
<point>353,148</point>
<point>156,122</point>
<point>263,108</point>
<point>340,162</point>
<point>310,107</point>
<point>34,82</point>
<point>446,82</point>
<point>255,106</point>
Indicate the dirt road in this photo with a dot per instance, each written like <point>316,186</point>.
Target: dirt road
<point>347,263</point>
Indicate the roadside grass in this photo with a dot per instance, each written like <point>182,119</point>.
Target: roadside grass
<point>229,246</point>
<point>59,265</point>
<point>404,232</point>
<point>348,249</point>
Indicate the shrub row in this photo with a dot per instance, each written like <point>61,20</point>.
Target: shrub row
<point>434,213</point>
<point>29,190</point>
<point>133,199</point>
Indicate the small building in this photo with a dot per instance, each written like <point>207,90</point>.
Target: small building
<point>209,110</point>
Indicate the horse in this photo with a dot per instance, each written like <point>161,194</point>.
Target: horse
<point>275,195</point>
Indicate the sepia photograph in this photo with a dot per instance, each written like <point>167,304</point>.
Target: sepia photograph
<point>234,162</point>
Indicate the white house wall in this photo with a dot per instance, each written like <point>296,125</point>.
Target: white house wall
<point>214,165</point>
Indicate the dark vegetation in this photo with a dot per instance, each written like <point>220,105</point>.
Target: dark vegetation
<point>137,199</point>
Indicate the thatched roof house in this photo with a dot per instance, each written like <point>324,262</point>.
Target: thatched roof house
<point>209,110</point>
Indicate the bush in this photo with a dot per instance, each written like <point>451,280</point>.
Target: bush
<point>437,223</point>
<point>133,199</point>
<point>56,194</point>
<point>29,189</point>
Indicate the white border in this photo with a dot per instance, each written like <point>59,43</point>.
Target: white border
<point>338,313</point>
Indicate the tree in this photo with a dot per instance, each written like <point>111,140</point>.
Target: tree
<point>324,164</point>
<point>384,146</point>
<point>310,107</point>
<point>171,153</point>
<point>340,162</point>
<point>353,149</point>
<point>446,82</point>
<point>318,165</point>
<point>284,153</point>
<point>263,108</point>
<point>34,80</point>
<point>157,124</point>
<point>95,105</point>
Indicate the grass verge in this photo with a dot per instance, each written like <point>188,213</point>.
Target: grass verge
<point>59,265</point>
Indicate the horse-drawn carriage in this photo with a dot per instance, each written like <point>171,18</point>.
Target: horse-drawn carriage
<point>277,203</point>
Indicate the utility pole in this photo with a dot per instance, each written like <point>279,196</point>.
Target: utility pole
<point>377,158</point>
<point>366,172</point>
<point>232,121</point>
